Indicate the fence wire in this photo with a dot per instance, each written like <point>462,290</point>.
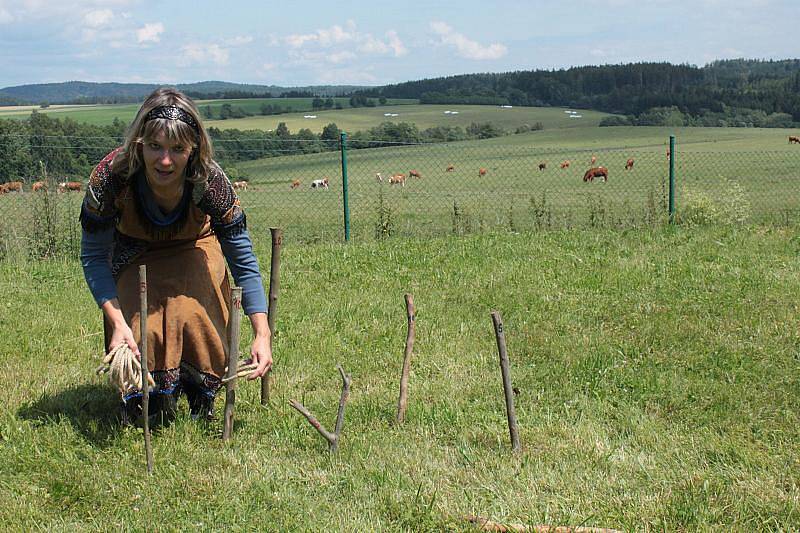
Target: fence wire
<point>413,189</point>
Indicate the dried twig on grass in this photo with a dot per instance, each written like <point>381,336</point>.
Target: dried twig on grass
<point>402,403</point>
<point>484,524</point>
<point>332,438</point>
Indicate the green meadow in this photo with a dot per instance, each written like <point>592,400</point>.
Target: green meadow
<point>655,364</point>
<point>101,115</point>
<point>655,369</point>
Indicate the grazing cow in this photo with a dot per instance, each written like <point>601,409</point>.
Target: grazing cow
<point>414,174</point>
<point>12,186</point>
<point>66,186</point>
<point>450,168</point>
<point>542,166</point>
<point>38,186</point>
<point>596,172</point>
<point>378,176</point>
<point>320,184</point>
<point>565,164</point>
<point>398,179</point>
<point>594,160</point>
<point>295,184</point>
<point>629,164</point>
<point>481,172</point>
<point>239,185</point>
<point>794,139</point>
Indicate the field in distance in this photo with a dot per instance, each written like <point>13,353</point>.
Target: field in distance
<point>104,114</point>
<point>347,119</point>
<point>423,115</point>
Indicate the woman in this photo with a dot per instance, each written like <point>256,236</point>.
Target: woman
<point>160,200</point>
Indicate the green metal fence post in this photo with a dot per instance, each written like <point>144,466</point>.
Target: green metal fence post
<point>671,179</point>
<point>344,188</point>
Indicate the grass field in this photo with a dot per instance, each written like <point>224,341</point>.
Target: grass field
<point>424,116</point>
<point>656,369</point>
<point>722,175</point>
<point>105,114</point>
<point>714,166</point>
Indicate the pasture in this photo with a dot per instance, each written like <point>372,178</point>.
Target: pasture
<point>655,368</point>
<point>104,114</point>
<point>752,174</point>
<point>723,175</point>
<point>424,116</point>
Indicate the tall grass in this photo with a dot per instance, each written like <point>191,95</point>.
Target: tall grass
<point>656,369</point>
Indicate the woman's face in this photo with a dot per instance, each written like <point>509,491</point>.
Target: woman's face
<point>165,160</point>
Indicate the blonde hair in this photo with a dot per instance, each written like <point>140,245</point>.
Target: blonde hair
<point>129,160</point>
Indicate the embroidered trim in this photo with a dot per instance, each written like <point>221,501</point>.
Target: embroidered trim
<point>233,229</point>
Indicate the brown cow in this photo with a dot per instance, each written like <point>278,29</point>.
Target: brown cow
<point>794,139</point>
<point>38,186</point>
<point>398,179</point>
<point>542,165</point>
<point>565,164</point>
<point>239,185</point>
<point>295,184</point>
<point>450,168</point>
<point>66,186</point>
<point>596,172</point>
<point>481,172</point>
<point>12,186</point>
<point>414,174</point>
<point>629,164</point>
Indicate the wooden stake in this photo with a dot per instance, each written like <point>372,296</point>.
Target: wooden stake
<point>332,438</point>
<point>234,324</point>
<point>507,389</point>
<point>403,401</point>
<point>148,446</point>
<point>274,287</point>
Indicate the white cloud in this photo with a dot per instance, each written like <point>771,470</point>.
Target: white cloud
<point>348,35</point>
<point>239,40</point>
<point>204,54</point>
<point>324,37</point>
<point>5,16</point>
<point>98,18</point>
<point>466,47</point>
<point>150,33</point>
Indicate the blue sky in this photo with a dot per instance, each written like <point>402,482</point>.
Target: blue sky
<point>372,43</point>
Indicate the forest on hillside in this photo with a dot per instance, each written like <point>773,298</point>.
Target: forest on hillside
<point>723,93</point>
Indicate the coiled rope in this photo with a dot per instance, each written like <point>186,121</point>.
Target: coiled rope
<point>124,370</point>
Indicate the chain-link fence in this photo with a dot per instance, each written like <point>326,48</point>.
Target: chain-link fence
<point>413,189</point>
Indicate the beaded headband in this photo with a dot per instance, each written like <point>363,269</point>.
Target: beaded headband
<point>172,112</point>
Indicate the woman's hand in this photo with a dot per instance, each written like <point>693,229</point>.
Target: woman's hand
<point>260,354</point>
<point>260,351</point>
<point>122,333</point>
<point>120,330</point>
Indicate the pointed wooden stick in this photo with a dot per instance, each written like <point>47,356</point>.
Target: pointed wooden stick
<point>274,286</point>
<point>403,401</point>
<point>332,438</point>
<point>234,322</point>
<point>148,447</point>
<point>507,388</point>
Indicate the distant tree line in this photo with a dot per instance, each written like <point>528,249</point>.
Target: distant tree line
<point>732,92</point>
<point>71,149</point>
